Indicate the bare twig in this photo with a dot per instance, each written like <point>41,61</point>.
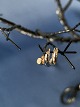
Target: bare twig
<point>6,34</point>
<point>67,5</point>
<point>21,29</point>
<point>60,12</point>
<point>42,35</point>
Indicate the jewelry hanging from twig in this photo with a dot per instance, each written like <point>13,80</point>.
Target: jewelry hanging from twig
<point>50,57</point>
<point>47,59</point>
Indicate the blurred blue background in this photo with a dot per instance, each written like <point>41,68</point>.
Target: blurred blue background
<point>23,83</point>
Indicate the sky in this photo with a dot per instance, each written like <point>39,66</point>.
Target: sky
<point>23,83</point>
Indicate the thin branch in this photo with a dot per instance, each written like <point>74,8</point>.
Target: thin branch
<point>42,35</point>
<point>7,38</point>
<point>67,5</point>
<point>20,29</point>
<point>67,46</point>
<point>69,61</point>
<point>60,12</point>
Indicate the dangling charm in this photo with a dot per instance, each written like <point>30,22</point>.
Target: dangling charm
<point>50,57</point>
<point>44,58</point>
<point>47,59</point>
<point>53,59</point>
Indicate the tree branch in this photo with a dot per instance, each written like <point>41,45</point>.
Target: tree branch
<point>42,35</point>
<point>61,15</point>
